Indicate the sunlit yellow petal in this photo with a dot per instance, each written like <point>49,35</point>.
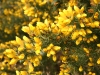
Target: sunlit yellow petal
<point>31,68</point>
<point>23,73</point>
<point>19,41</point>
<point>80,69</point>
<point>26,39</point>
<point>98,45</point>
<point>54,58</point>
<point>13,61</point>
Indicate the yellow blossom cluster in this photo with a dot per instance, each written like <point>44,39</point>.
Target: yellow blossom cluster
<point>68,43</point>
<point>11,19</point>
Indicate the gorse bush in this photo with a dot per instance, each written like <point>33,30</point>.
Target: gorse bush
<point>60,37</point>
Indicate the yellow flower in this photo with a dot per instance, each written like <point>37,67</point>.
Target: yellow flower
<point>50,46</point>
<point>26,39</point>
<point>6,12</point>
<point>17,72</point>
<point>91,59</point>
<point>88,31</point>
<point>28,45</point>
<point>80,69</point>
<point>96,1</point>
<point>23,73</point>
<point>86,50</point>
<point>37,48</point>
<point>75,34</point>
<point>77,42</point>
<point>98,61</point>
<point>26,29</point>
<point>23,1</point>
<point>90,64</point>
<point>56,48</point>
<point>70,12</point>
<point>96,23</point>
<point>19,41</point>
<point>10,53</point>
<point>13,61</point>
<point>98,45</point>
<point>31,68</point>
<point>94,37</point>
<point>21,56</point>
<point>52,52</point>
<point>31,27</point>
<point>54,57</point>
<point>4,73</point>
<point>20,48</point>
<point>48,54</point>
<point>37,40</point>
<point>14,42</point>
<point>82,25</point>
<point>77,10</point>
<point>91,39</point>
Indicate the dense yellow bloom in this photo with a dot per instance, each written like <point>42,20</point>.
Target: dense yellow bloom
<point>36,60</point>
<point>51,50</point>
<point>42,27</point>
